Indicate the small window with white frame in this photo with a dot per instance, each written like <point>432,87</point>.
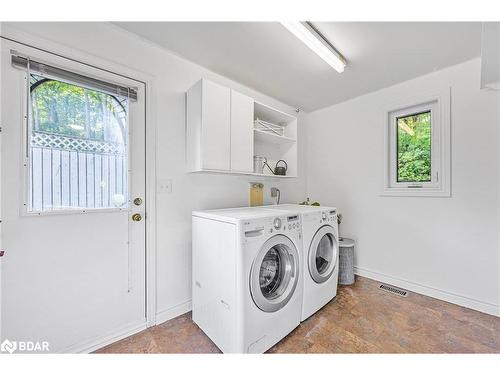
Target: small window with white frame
<point>417,147</point>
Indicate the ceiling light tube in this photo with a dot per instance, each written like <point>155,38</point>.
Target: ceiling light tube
<point>308,35</point>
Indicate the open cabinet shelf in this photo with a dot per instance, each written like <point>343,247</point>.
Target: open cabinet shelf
<point>275,147</point>
<point>266,137</point>
<point>256,175</point>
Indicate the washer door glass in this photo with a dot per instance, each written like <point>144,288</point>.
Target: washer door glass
<point>274,274</point>
<point>323,254</point>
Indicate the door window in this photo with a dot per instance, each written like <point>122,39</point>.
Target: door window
<point>77,147</point>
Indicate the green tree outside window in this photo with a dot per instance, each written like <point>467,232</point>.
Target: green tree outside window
<point>67,109</point>
<point>414,148</point>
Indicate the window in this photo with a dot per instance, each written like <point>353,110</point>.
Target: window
<point>414,148</point>
<point>418,148</point>
<point>77,147</point>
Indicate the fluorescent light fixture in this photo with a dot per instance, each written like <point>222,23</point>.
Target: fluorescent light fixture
<point>306,32</point>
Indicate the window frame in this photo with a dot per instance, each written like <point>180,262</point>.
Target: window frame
<point>439,106</point>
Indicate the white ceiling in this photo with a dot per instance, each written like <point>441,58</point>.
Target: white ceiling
<point>266,57</point>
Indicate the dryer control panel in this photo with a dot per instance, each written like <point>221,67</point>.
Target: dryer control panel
<point>329,216</point>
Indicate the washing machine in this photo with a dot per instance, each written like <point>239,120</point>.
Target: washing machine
<point>320,254</point>
<point>247,279</point>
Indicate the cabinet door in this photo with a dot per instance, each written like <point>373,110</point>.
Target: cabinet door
<point>241,132</point>
<point>216,127</point>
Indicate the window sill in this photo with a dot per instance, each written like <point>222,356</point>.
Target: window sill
<point>416,192</point>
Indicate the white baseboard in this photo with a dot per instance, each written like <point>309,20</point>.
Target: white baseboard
<point>100,342</point>
<point>470,303</point>
<point>173,312</point>
<point>128,330</point>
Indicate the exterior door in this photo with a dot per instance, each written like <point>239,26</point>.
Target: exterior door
<point>274,274</point>
<point>73,164</point>
<point>323,252</point>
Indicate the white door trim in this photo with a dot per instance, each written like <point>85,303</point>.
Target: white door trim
<point>1,28</point>
<point>32,41</point>
<point>150,206</point>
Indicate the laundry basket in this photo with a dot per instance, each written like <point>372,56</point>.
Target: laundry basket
<point>346,261</point>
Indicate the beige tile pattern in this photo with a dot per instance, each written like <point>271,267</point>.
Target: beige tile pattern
<point>362,319</point>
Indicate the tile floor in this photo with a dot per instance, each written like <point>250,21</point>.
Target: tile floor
<point>362,319</point>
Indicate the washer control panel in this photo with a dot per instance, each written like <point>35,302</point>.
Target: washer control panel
<point>277,223</point>
<point>255,228</point>
<point>286,224</point>
<point>293,222</point>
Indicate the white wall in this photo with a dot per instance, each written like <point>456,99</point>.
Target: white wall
<point>444,247</point>
<point>172,76</point>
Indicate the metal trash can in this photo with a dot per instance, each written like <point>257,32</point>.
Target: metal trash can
<point>346,261</point>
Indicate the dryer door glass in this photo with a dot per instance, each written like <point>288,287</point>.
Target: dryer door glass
<point>274,274</point>
<point>323,254</point>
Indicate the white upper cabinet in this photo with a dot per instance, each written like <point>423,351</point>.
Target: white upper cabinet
<point>241,132</point>
<point>226,129</point>
<point>208,127</point>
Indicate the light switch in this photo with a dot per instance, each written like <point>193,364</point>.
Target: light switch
<point>164,187</point>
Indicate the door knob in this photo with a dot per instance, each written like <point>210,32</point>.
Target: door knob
<point>138,201</point>
<point>136,217</point>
